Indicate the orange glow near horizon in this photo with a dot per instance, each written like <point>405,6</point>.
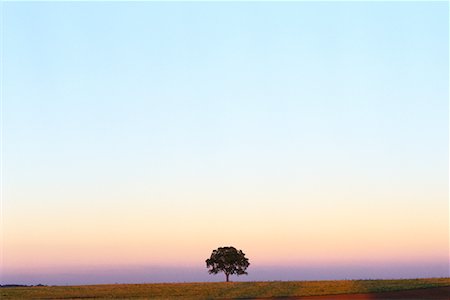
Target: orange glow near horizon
<point>267,237</point>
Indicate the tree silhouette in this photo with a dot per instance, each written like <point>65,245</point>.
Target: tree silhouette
<point>227,260</point>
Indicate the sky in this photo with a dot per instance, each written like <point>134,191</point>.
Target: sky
<point>137,137</point>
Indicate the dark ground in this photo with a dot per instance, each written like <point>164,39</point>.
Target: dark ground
<point>440,293</point>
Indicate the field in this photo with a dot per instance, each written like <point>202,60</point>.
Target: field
<point>231,290</point>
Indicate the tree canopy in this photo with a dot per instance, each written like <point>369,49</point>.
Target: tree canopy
<point>228,260</point>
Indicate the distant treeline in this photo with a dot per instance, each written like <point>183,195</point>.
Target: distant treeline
<point>18,285</point>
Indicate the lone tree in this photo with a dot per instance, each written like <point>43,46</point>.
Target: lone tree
<point>227,260</point>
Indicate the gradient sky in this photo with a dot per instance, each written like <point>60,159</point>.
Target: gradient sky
<point>138,137</point>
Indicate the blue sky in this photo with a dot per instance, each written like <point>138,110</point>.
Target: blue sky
<point>132,117</point>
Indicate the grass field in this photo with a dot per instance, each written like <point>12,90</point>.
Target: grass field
<point>231,290</point>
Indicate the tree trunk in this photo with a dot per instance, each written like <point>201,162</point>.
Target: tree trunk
<point>227,275</point>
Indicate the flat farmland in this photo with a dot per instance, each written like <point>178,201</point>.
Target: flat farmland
<point>361,289</point>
